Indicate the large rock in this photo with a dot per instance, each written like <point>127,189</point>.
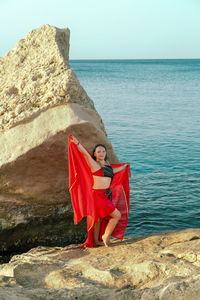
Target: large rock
<point>41,103</point>
<point>162,267</point>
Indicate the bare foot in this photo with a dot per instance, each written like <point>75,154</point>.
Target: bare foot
<point>106,240</point>
<point>98,243</point>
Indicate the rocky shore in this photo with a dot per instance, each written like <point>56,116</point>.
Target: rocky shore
<point>162,267</point>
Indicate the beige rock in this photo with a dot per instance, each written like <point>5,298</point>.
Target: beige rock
<point>137,268</point>
<point>42,102</point>
<point>37,68</point>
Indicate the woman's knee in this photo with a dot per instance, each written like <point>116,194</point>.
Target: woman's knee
<point>116,214</point>
<point>119,214</point>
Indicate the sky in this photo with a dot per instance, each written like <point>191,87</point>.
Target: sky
<point>109,29</point>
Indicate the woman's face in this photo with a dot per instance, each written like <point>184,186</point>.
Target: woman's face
<point>100,153</point>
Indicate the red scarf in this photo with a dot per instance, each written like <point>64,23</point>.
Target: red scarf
<point>80,186</point>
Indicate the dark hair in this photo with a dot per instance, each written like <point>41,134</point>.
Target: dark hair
<point>99,145</point>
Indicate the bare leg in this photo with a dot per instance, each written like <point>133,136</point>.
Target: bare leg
<point>115,217</point>
<point>96,234</point>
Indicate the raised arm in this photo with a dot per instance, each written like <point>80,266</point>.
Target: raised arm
<point>91,162</point>
<point>118,169</point>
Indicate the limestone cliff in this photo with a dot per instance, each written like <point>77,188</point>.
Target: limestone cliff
<point>41,103</point>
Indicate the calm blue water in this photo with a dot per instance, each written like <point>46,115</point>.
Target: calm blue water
<point>151,112</point>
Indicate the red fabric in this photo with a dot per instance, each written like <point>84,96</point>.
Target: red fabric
<point>94,203</point>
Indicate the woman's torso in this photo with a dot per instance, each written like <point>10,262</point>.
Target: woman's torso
<point>102,177</point>
<point>101,183</point>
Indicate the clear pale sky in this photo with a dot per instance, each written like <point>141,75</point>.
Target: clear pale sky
<point>118,29</point>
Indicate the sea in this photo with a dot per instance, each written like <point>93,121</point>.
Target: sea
<point>151,112</point>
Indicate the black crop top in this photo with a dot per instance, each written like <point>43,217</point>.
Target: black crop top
<point>106,171</point>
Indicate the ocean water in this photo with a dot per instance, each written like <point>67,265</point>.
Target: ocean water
<point>151,112</point>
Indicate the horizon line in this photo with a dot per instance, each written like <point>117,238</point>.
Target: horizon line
<point>134,58</point>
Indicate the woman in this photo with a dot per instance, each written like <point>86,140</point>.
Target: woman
<point>100,191</point>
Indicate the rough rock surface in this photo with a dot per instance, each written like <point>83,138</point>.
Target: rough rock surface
<point>36,75</point>
<point>41,103</point>
<point>162,267</point>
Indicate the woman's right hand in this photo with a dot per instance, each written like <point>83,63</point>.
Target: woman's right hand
<point>74,140</point>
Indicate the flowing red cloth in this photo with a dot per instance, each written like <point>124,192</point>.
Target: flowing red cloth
<point>94,203</point>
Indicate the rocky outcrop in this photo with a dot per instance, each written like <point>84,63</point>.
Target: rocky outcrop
<point>165,266</point>
<point>35,75</point>
<point>41,103</point>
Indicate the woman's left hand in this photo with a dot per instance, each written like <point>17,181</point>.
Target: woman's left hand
<point>127,165</point>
